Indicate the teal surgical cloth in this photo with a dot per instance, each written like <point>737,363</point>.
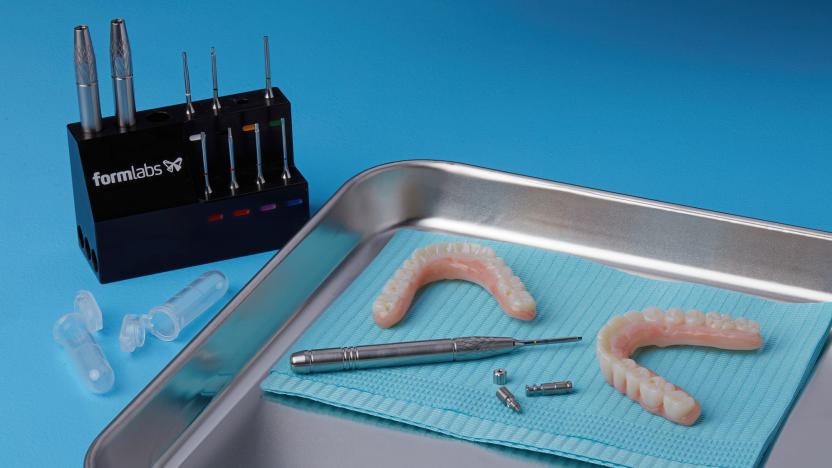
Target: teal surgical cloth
<point>745,395</point>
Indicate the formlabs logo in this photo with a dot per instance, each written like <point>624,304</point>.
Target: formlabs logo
<point>135,173</point>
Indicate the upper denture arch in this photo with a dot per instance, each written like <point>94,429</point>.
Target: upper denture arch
<point>466,261</point>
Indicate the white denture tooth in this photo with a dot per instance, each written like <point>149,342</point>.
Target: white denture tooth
<point>489,252</point>
<point>753,326</point>
<point>618,322</point>
<point>677,404</point>
<point>653,314</point>
<point>675,316</point>
<point>419,254</point>
<point>605,360</point>
<point>668,387</point>
<point>489,264</point>
<point>391,287</point>
<point>619,375</point>
<point>517,303</point>
<point>602,341</point>
<point>382,307</point>
<point>728,325</point>
<point>605,333</point>
<point>634,379</point>
<point>694,317</point>
<point>523,303</point>
<point>494,265</point>
<point>634,316</point>
<point>402,275</point>
<point>651,392</point>
<point>713,319</point>
<point>742,324</point>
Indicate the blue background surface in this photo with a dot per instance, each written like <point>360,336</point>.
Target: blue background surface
<point>698,103</point>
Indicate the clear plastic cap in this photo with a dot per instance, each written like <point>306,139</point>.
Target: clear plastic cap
<point>87,307</point>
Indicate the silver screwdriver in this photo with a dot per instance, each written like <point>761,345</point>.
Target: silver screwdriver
<point>287,174</point>
<point>409,352</point>
<point>189,106</point>
<point>234,186</point>
<point>216,104</point>
<point>260,180</point>
<point>269,91</point>
<point>201,138</point>
<point>121,63</point>
<point>86,79</point>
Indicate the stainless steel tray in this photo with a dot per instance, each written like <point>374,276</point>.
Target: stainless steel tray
<point>206,408</point>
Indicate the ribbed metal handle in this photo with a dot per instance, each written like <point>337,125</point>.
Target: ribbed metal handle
<point>399,354</point>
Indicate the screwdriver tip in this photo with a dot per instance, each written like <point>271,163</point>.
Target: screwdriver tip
<point>551,340</point>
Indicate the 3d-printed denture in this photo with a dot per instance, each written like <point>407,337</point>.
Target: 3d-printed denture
<point>623,334</point>
<point>452,260</point>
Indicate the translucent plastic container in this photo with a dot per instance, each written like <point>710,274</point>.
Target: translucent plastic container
<point>73,332</point>
<point>167,320</point>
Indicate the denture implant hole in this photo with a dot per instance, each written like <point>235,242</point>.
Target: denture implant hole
<point>80,237</point>
<point>87,248</point>
<point>94,261</point>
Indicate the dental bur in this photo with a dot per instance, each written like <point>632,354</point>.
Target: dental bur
<point>86,80</point>
<point>409,352</point>
<point>167,320</point>
<point>121,64</point>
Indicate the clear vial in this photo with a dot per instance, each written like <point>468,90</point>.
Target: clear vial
<point>167,320</point>
<point>72,331</point>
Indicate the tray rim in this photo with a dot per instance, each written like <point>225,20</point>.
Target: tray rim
<point>151,389</point>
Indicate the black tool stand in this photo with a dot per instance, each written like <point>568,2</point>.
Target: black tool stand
<point>141,202</point>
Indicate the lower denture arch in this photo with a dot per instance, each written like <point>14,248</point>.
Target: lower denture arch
<point>624,334</point>
<point>467,261</point>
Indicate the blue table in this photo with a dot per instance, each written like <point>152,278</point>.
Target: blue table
<point>726,108</point>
